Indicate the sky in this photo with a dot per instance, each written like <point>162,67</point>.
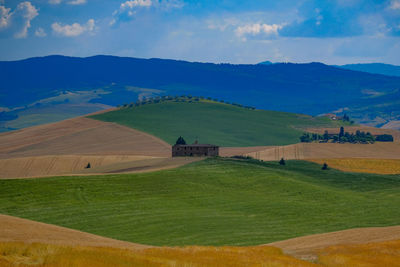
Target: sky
<point>225,31</point>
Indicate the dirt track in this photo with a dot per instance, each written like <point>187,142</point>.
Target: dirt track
<point>306,247</point>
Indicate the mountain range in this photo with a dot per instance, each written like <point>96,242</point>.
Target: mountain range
<point>45,89</point>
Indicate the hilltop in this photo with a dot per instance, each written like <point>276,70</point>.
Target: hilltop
<point>89,84</point>
<point>214,122</point>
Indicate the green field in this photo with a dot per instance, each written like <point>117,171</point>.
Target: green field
<point>212,202</point>
<point>215,123</point>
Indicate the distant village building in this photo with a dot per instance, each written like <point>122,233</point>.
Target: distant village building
<point>195,150</point>
<point>335,117</point>
<point>331,116</point>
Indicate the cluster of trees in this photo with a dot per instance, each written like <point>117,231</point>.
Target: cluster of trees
<point>346,118</point>
<point>384,138</point>
<point>360,137</point>
<point>182,98</point>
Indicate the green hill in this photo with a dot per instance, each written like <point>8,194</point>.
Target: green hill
<point>215,123</point>
<point>211,202</point>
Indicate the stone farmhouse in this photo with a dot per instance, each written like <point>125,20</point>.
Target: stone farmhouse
<point>195,150</point>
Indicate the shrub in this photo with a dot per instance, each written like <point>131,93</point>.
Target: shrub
<point>325,166</point>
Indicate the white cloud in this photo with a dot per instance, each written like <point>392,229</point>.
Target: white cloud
<point>72,2</point>
<point>395,4</point>
<point>74,29</point>
<point>127,10</point>
<point>40,32</point>
<point>5,17</point>
<point>25,12</point>
<point>77,2</point>
<point>135,3</point>
<point>17,22</point>
<point>257,29</point>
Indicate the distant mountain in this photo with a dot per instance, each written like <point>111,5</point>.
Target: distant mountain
<point>266,63</point>
<point>32,89</point>
<point>377,68</point>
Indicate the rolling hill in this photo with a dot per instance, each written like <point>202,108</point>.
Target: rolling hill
<point>211,202</point>
<point>59,84</point>
<point>215,123</point>
<point>376,68</point>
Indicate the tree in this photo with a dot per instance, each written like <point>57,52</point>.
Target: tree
<point>326,135</point>
<point>180,141</point>
<point>282,161</point>
<point>325,166</point>
<point>341,133</point>
<point>384,138</point>
<point>305,138</point>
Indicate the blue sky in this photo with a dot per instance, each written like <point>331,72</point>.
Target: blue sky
<point>330,31</point>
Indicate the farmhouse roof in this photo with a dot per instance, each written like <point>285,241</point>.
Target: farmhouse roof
<point>198,145</point>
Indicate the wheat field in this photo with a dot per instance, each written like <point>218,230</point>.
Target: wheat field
<point>43,255</point>
<point>379,166</point>
<point>372,254</point>
<point>21,254</point>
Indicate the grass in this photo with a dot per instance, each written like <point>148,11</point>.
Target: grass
<point>382,166</point>
<point>215,123</point>
<point>211,202</point>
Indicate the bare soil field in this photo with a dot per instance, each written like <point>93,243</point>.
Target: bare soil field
<point>80,136</point>
<point>15,229</point>
<point>307,247</point>
<point>47,166</point>
<point>141,165</point>
<point>67,147</point>
<point>233,151</point>
<point>392,125</point>
<point>379,166</point>
<point>329,151</point>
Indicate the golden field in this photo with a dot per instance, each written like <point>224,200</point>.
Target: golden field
<point>21,254</point>
<point>380,166</point>
<point>373,254</point>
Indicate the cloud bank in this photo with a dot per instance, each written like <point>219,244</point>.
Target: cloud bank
<point>129,9</point>
<point>74,29</point>
<point>258,29</point>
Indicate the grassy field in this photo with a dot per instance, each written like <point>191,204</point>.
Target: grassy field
<point>382,166</point>
<point>215,123</point>
<point>211,202</point>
